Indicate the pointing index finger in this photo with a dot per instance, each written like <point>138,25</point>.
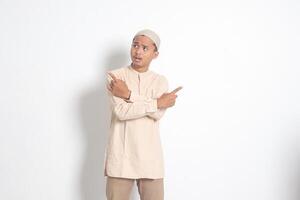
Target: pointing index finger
<point>112,76</point>
<point>177,89</point>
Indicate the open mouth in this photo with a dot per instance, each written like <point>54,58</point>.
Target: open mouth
<point>137,59</point>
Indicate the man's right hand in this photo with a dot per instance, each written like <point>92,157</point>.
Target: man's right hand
<point>167,99</point>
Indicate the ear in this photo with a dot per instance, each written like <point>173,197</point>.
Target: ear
<point>156,53</point>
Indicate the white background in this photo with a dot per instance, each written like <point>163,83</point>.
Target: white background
<point>234,133</point>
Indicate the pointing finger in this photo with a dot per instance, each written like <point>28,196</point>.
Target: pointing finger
<point>112,76</point>
<point>176,90</point>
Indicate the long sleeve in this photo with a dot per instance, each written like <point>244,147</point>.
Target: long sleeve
<point>132,132</point>
<point>163,88</point>
<point>125,110</point>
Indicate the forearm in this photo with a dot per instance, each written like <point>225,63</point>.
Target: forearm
<point>132,110</point>
<point>133,97</point>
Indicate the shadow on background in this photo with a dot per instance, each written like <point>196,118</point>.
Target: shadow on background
<point>297,175</point>
<point>94,117</point>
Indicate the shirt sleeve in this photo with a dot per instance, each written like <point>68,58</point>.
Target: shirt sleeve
<point>163,87</point>
<point>126,110</point>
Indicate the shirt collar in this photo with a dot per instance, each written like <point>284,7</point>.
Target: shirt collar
<point>146,73</point>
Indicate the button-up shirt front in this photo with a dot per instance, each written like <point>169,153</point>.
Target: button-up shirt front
<point>134,147</point>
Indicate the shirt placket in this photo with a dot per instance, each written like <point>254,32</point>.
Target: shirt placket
<point>125,132</point>
<point>139,84</point>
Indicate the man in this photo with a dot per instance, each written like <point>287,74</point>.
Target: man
<point>139,98</point>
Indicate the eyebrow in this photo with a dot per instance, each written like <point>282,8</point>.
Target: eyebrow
<point>141,44</point>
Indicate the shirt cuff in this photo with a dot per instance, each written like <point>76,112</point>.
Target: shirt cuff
<point>152,106</point>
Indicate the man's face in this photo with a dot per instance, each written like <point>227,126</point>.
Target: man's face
<point>142,51</point>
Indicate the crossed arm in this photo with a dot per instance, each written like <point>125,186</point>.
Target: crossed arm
<point>129,105</point>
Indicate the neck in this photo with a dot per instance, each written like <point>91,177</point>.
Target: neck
<point>140,68</point>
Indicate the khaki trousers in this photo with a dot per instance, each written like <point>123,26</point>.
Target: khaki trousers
<point>120,188</point>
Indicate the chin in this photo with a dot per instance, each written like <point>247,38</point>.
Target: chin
<point>137,64</point>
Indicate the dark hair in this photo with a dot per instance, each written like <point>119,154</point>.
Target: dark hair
<point>155,50</point>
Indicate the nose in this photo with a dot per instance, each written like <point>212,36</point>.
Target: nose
<point>139,50</point>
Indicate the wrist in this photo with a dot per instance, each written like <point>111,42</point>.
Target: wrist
<point>158,103</point>
<point>128,94</point>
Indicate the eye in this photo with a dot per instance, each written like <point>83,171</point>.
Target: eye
<point>135,46</point>
<point>145,48</point>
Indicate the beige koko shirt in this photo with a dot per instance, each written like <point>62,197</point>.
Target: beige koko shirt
<point>134,147</point>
